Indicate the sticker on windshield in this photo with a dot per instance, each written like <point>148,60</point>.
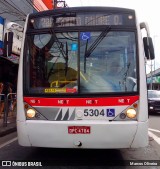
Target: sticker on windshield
<point>55,90</point>
<point>60,90</point>
<point>74,47</point>
<point>85,36</point>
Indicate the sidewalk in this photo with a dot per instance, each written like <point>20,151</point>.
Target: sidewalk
<point>11,126</point>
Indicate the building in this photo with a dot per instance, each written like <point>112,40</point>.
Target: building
<point>153,80</point>
<point>12,19</point>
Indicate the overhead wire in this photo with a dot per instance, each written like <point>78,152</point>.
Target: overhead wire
<point>8,12</point>
<point>14,5</point>
<point>13,8</point>
<point>10,8</point>
<point>12,11</point>
<point>28,4</point>
<point>4,5</point>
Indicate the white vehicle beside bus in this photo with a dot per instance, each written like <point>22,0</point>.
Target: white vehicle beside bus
<point>82,80</point>
<point>11,40</point>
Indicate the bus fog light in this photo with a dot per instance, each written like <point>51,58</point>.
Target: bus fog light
<point>122,115</point>
<point>131,113</point>
<point>31,113</point>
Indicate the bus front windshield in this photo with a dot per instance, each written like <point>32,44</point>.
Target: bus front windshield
<point>81,62</point>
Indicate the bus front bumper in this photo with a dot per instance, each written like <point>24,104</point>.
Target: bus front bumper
<point>101,135</point>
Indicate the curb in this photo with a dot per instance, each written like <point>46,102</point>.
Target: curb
<point>4,131</point>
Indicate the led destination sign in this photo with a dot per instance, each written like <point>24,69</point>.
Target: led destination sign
<point>87,19</point>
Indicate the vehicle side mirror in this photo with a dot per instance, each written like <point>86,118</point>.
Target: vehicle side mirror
<point>148,48</point>
<point>8,42</point>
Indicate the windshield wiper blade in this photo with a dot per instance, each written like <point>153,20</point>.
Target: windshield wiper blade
<point>59,44</point>
<point>66,64</point>
<point>125,75</point>
<point>64,53</point>
<point>94,45</point>
<point>97,41</point>
<point>85,56</point>
<point>61,49</point>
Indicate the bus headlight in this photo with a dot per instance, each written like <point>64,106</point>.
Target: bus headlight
<point>128,114</point>
<point>31,113</point>
<point>131,113</point>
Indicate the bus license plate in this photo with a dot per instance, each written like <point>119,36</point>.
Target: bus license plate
<point>79,129</point>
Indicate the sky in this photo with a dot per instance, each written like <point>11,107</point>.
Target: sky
<point>147,11</point>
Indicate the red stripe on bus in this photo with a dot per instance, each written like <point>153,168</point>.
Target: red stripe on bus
<point>111,101</point>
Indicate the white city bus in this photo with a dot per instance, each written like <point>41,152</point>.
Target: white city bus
<point>81,81</point>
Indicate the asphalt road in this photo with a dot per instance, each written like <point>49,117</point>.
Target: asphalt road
<point>154,121</point>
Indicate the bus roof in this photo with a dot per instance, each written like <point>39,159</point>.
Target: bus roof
<point>84,9</point>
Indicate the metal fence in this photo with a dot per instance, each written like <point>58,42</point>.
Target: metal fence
<point>8,108</point>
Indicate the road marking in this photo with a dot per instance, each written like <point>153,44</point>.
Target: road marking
<point>8,142</point>
<point>156,138</point>
<point>154,130</point>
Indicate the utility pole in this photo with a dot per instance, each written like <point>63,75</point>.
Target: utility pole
<point>154,43</point>
<point>151,76</point>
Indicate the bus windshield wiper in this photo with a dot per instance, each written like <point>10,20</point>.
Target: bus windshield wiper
<point>85,56</point>
<point>97,41</point>
<point>66,64</point>
<point>64,53</point>
<point>94,45</point>
<point>125,75</point>
<point>59,44</point>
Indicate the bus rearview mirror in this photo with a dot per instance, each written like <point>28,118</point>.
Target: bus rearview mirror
<point>148,48</point>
